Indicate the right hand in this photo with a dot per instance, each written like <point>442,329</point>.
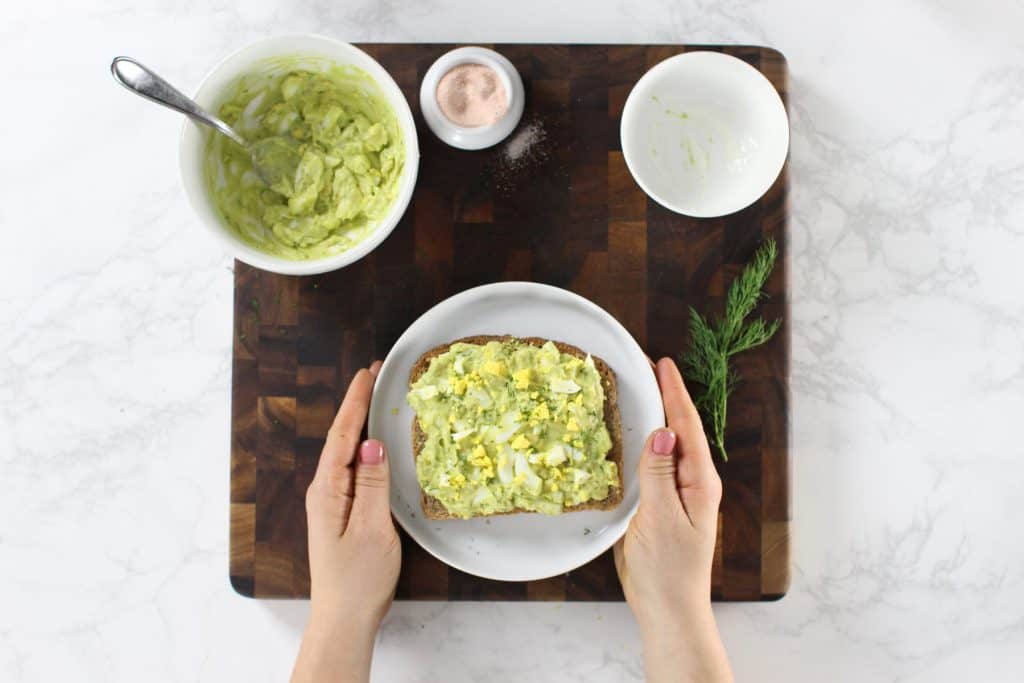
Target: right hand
<point>664,560</point>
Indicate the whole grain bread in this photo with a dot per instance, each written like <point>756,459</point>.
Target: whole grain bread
<point>434,509</point>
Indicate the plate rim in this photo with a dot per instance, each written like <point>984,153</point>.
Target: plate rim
<point>375,415</point>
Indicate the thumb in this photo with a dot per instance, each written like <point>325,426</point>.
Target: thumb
<point>371,505</point>
<point>657,472</point>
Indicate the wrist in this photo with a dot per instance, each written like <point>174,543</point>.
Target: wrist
<point>684,646</point>
<point>334,649</point>
<point>340,626</point>
<point>675,616</point>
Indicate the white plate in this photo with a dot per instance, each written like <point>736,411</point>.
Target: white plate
<point>704,134</point>
<point>521,547</point>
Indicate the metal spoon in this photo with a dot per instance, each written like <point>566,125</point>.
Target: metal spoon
<point>274,158</point>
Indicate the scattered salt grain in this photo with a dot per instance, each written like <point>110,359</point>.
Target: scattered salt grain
<point>523,142</point>
<point>519,157</point>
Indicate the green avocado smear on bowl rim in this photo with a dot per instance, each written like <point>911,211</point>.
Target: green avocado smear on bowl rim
<point>511,426</point>
<point>338,132</point>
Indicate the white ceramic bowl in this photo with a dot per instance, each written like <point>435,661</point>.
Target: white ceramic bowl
<point>479,137</point>
<point>704,134</point>
<point>322,52</point>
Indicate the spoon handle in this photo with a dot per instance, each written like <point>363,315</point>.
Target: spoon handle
<point>144,82</point>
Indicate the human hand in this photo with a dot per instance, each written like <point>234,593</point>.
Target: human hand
<point>664,559</point>
<point>354,551</point>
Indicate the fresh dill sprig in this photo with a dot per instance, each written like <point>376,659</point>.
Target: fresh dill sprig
<point>706,362</point>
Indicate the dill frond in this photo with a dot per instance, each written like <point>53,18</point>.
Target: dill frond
<point>706,360</point>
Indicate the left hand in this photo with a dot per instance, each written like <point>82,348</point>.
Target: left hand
<point>354,551</point>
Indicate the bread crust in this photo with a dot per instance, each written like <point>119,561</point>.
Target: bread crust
<point>434,509</point>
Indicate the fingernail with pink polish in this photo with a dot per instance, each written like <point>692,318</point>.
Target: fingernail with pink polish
<point>371,452</point>
<point>664,442</point>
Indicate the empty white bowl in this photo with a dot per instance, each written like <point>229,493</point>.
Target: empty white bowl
<point>317,52</point>
<point>704,134</point>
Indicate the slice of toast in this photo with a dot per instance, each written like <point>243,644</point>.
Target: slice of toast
<point>434,509</point>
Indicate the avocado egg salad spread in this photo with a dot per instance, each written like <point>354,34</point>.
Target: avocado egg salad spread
<point>512,426</point>
<point>333,149</point>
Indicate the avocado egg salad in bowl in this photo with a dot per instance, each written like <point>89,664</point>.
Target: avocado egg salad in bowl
<point>509,425</point>
<point>337,151</point>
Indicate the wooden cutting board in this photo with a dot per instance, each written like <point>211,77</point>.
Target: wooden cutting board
<point>561,210</point>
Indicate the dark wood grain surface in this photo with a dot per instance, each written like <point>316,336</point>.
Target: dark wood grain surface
<point>567,213</point>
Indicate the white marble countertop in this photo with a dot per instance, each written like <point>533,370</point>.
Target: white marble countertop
<point>908,352</point>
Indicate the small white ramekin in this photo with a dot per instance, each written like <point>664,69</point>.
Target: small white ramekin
<point>478,137</point>
<point>217,85</point>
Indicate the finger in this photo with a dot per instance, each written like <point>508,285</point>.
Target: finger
<point>680,413</point>
<point>657,473</point>
<point>371,506</point>
<point>334,471</point>
<point>327,515</point>
<point>696,477</point>
<point>329,498</point>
